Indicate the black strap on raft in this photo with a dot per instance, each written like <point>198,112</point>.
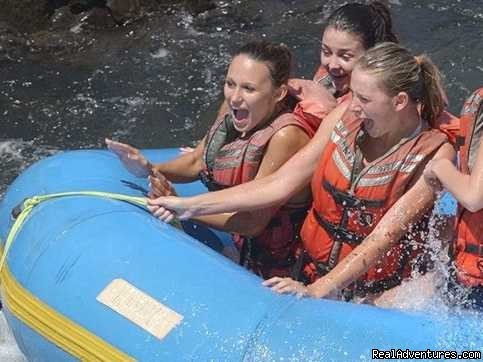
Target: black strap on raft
<point>17,210</point>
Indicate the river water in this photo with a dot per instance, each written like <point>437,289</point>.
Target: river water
<point>159,85</point>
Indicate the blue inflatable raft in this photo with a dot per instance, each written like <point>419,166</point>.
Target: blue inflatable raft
<point>93,276</point>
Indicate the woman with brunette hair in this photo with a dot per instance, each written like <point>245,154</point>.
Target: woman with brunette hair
<point>252,139</point>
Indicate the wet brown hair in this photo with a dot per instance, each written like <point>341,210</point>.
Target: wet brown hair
<point>277,57</point>
<point>371,22</point>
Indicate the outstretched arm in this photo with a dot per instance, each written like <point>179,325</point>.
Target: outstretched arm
<point>391,228</point>
<point>184,168</point>
<point>269,191</point>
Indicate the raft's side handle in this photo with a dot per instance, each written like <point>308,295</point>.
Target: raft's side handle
<point>17,210</point>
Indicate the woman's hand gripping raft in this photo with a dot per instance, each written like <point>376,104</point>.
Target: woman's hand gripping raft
<point>166,208</point>
<point>160,187</point>
<point>290,286</point>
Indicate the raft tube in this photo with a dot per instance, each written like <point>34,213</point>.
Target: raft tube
<point>99,279</point>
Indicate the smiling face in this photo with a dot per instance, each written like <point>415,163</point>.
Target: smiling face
<point>372,104</point>
<point>250,92</point>
<point>340,51</point>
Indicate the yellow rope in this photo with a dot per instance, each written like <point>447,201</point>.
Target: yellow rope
<point>30,203</point>
<point>57,328</point>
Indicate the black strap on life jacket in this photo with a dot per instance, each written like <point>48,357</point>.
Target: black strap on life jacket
<point>337,232</point>
<point>474,249</point>
<point>347,200</point>
<point>251,253</point>
<point>459,141</point>
<point>358,288</point>
<point>207,180</point>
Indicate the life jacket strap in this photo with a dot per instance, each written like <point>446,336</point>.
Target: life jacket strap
<point>459,141</point>
<point>207,179</point>
<point>339,234</point>
<point>474,249</point>
<point>300,261</point>
<point>347,200</point>
<point>361,289</point>
<point>251,253</point>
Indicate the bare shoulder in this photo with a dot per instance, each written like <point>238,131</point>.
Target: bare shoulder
<point>289,136</point>
<point>445,151</point>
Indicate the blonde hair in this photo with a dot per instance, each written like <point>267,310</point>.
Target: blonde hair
<point>400,71</point>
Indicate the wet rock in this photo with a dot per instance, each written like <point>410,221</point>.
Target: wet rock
<point>62,19</point>
<point>123,10</point>
<point>236,15</point>
<point>57,44</point>
<point>44,41</point>
<point>65,29</point>
<point>199,6</point>
<point>12,43</point>
<point>97,18</point>
<point>25,15</point>
<point>80,6</point>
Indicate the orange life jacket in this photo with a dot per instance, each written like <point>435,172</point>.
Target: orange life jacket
<point>349,203</point>
<point>449,124</point>
<point>231,160</point>
<point>312,113</point>
<point>323,77</point>
<point>468,246</point>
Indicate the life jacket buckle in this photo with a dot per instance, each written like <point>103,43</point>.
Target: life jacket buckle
<point>339,233</point>
<point>474,249</point>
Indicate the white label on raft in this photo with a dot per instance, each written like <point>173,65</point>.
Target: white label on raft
<point>139,308</point>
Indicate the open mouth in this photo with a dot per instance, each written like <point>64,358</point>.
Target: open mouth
<point>338,76</point>
<point>240,114</point>
<point>367,124</point>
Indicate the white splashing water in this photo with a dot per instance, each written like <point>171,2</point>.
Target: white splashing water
<point>8,348</point>
<point>160,53</point>
<point>17,154</point>
<point>427,293</point>
<point>14,150</point>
